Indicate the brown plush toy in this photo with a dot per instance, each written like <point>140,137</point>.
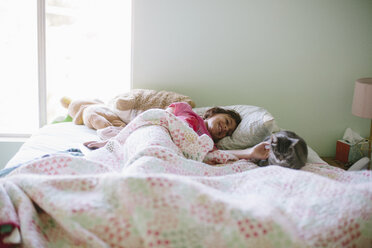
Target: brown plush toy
<point>92,113</point>
<point>130,104</point>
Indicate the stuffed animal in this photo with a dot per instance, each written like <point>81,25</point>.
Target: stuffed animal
<point>130,104</point>
<point>92,113</point>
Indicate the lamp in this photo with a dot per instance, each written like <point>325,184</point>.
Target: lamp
<point>362,104</point>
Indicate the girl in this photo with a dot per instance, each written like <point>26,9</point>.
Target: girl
<point>217,123</point>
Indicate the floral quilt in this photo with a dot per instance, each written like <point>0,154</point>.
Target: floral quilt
<point>152,186</point>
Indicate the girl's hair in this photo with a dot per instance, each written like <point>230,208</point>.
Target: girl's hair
<point>217,110</point>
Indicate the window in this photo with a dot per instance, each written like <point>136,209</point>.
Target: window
<point>87,55</point>
<point>18,63</point>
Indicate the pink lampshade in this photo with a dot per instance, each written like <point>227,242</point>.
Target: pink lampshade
<point>362,101</point>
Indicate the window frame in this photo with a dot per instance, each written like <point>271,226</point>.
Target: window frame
<point>41,62</point>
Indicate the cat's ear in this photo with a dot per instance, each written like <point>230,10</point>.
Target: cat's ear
<point>294,141</point>
<point>274,139</point>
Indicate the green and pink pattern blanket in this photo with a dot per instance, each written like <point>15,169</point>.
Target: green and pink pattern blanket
<point>151,186</point>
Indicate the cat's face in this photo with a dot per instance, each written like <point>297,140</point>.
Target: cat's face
<point>282,147</point>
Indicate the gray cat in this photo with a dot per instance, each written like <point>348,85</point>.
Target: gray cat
<point>287,149</point>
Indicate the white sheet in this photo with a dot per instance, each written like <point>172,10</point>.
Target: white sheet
<point>53,138</point>
<point>62,136</point>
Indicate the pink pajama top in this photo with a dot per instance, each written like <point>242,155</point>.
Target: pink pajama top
<point>184,112</point>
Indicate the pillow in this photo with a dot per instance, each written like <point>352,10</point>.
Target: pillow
<point>257,123</point>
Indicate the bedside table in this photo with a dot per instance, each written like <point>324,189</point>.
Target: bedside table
<point>332,161</point>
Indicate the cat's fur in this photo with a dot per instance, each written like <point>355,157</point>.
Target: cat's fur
<point>287,149</point>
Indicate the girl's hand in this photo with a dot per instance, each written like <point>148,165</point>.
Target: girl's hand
<point>92,145</point>
<point>260,151</point>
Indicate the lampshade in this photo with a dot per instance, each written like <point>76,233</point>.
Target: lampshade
<point>362,101</point>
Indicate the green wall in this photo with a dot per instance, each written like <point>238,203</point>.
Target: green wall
<point>297,58</point>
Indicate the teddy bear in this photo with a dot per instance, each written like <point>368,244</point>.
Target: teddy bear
<point>92,113</point>
<point>130,104</point>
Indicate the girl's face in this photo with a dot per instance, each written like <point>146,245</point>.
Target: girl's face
<point>220,126</point>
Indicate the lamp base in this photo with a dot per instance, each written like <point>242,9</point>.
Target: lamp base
<point>361,164</point>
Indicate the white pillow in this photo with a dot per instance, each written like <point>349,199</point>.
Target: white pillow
<point>257,123</point>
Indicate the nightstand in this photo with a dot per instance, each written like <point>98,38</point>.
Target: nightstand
<point>332,161</point>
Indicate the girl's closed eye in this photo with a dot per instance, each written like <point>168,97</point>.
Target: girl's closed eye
<point>231,127</point>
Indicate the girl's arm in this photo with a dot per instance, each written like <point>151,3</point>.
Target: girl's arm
<point>259,151</point>
<point>92,145</point>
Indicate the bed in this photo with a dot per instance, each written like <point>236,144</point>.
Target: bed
<point>150,186</point>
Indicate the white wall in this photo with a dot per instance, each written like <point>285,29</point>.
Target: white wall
<point>297,58</point>
<point>7,151</point>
